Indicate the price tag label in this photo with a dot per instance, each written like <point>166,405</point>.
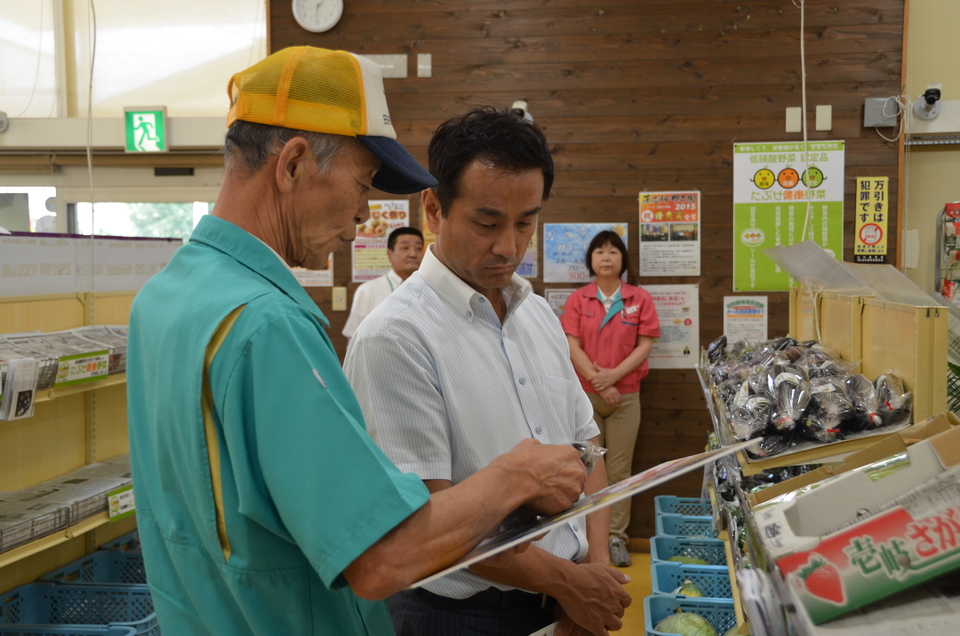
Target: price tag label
<point>120,503</point>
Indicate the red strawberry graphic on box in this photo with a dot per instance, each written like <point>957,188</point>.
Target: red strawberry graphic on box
<point>822,579</point>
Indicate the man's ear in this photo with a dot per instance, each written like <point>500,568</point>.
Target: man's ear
<point>431,209</point>
<point>291,162</point>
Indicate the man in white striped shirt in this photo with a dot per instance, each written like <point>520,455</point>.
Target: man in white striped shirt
<point>462,362</point>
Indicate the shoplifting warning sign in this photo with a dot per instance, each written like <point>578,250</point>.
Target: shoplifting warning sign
<point>873,197</point>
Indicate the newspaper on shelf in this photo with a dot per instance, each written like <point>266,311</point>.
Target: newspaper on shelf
<point>18,394</point>
<point>109,338</point>
<point>83,491</point>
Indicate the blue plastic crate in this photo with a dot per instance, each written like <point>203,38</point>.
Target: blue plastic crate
<point>129,541</point>
<point>684,526</point>
<point>718,612</point>
<point>670,505</point>
<point>105,566</point>
<point>56,604</point>
<point>68,630</point>
<point>710,550</point>
<point>713,580</point>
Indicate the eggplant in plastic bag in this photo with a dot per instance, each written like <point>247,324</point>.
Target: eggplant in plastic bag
<point>773,444</point>
<point>793,397</point>
<point>715,352</point>
<point>833,405</point>
<point>760,382</point>
<point>751,418</point>
<point>894,402</point>
<point>817,425</point>
<point>863,395</point>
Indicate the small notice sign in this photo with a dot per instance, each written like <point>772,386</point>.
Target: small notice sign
<point>83,367</point>
<point>120,503</point>
<point>870,241</point>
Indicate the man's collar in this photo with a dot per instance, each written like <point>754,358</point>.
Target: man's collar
<point>394,277</point>
<point>256,255</point>
<point>275,252</point>
<point>460,295</point>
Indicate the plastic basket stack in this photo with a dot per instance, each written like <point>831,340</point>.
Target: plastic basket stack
<point>685,529</point>
<point>103,593</point>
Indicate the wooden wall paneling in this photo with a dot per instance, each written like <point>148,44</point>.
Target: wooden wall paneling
<point>637,95</point>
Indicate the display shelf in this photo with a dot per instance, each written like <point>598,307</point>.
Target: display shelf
<point>743,626</point>
<point>54,393</point>
<point>72,427</point>
<point>58,537</point>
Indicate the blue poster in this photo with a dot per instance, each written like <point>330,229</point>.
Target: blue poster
<point>565,248</point>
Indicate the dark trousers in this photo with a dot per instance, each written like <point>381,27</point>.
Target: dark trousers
<point>489,613</point>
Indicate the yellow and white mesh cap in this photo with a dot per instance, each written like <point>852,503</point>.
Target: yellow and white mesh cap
<point>335,92</point>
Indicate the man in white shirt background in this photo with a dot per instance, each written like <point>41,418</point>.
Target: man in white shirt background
<point>405,251</point>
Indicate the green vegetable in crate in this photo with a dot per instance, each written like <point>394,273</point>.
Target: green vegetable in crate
<point>733,632</point>
<point>688,560</point>
<point>686,624</point>
<point>689,588</point>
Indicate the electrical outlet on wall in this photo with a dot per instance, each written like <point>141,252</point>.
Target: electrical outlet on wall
<point>338,299</point>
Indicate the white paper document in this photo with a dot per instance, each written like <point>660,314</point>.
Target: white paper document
<point>546,631</point>
<point>610,495</point>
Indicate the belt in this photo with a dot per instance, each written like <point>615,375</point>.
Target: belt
<point>490,598</point>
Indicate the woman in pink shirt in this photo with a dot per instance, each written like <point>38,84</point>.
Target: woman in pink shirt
<point>611,326</point>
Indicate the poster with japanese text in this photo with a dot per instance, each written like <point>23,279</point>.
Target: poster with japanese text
<point>565,247</point>
<point>670,233</point>
<point>370,248</point>
<point>772,190</point>
<point>557,299</point>
<point>870,241</point>
<point>745,318</point>
<point>315,277</point>
<point>678,308</point>
<point>528,266</point>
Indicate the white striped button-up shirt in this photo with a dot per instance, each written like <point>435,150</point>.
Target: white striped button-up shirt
<point>445,388</point>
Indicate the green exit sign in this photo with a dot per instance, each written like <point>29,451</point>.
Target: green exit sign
<point>146,128</point>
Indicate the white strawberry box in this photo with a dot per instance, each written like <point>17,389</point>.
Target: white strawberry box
<point>871,532</point>
<point>798,522</point>
<point>874,559</point>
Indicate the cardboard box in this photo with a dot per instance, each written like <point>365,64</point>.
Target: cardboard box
<point>912,340</point>
<point>801,325</point>
<point>905,530</point>
<point>836,315</point>
<point>891,445</point>
<point>880,335</point>
<point>798,523</point>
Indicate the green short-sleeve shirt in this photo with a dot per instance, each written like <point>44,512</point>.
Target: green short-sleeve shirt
<point>304,489</point>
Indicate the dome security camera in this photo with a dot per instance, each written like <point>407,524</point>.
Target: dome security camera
<point>927,105</point>
<point>519,108</point>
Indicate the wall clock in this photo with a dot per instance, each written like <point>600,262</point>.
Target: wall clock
<point>317,16</point>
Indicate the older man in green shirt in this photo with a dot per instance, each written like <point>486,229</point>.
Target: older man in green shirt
<point>263,506</point>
